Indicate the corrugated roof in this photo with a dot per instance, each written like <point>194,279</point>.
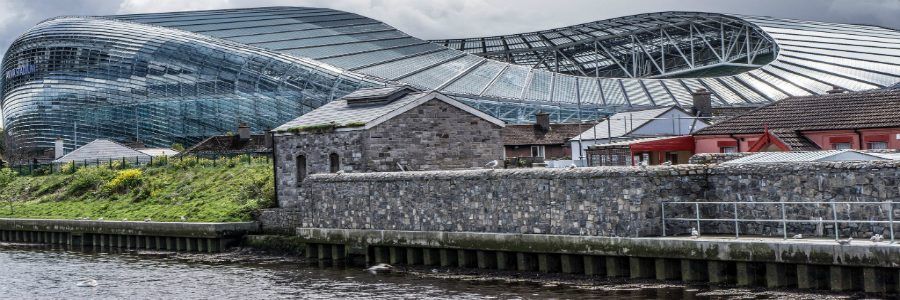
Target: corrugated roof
<point>101,149</point>
<point>811,156</point>
<point>634,141</point>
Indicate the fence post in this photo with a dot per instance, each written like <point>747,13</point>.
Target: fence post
<point>737,234</point>
<point>834,215</point>
<point>783,221</point>
<point>663,215</point>
<point>697,210</point>
<point>891,220</point>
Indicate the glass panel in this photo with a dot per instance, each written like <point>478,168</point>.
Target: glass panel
<point>399,68</point>
<point>509,84</point>
<point>433,78</point>
<point>565,89</point>
<point>476,80</point>
<point>658,92</point>
<point>539,87</point>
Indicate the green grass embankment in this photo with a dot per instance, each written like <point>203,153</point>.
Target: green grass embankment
<point>200,190</point>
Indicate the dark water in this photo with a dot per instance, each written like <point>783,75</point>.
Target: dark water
<point>36,273</point>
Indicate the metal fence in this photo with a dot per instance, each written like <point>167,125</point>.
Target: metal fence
<point>783,221</point>
<point>37,169</point>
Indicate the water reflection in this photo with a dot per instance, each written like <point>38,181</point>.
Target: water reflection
<point>41,273</point>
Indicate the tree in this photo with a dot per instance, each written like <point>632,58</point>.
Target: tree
<point>7,176</point>
<point>178,147</point>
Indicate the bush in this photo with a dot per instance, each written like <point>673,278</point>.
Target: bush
<point>125,180</point>
<point>87,179</point>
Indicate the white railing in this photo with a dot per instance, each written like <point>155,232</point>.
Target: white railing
<point>783,220</point>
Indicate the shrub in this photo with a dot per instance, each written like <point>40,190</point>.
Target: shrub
<point>124,181</point>
<point>88,178</point>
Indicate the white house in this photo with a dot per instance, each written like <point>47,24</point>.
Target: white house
<point>667,121</point>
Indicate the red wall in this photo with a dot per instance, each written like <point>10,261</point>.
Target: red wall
<point>710,144</point>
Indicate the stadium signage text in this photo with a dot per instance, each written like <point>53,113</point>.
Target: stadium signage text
<point>20,70</point>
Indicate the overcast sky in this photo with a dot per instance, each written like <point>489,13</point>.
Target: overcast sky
<point>466,18</point>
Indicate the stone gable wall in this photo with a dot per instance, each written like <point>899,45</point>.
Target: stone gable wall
<point>433,136</point>
<point>600,201</point>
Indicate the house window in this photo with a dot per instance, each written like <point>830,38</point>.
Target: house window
<point>301,168</point>
<point>876,145</point>
<point>672,157</point>
<point>841,146</point>
<point>537,151</point>
<point>334,163</point>
<point>728,149</point>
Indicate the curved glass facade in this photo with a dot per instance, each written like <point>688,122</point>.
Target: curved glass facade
<point>178,77</point>
<point>82,79</point>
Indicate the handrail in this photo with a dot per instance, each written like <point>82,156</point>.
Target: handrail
<point>783,220</point>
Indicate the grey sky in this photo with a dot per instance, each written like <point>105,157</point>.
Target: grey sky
<point>466,18</point>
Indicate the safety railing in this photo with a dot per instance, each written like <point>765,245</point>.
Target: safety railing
<point>783,220</point>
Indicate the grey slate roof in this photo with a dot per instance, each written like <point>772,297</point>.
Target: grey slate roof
<point>621,124</point>
<point>355,117</point>
<point>341,114</point>
<point>101,149</point>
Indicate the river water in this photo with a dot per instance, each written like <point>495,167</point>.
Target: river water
<point>42,273</point>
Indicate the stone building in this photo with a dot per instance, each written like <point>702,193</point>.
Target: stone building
<point>385,130</point>
<point>543,140</point>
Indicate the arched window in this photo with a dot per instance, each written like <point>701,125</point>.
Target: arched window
<point>334,162</point>
<point>301,168</point>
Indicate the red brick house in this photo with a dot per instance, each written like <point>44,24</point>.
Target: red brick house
<point>839,120</point>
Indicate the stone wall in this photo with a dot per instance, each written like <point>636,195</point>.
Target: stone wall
<point>433,136</point>
<point>316,148</point>
<point>602,201</point>
<point>716,158</point>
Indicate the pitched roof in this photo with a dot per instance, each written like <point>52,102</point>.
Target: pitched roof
<point>622,124</point>
<point>530,134</point>
<point>811,156</point>
<point>224,144</point>
<point>795,140</point>
<point>101,149</point>
<point>855,110</point>
<point>355,117</point>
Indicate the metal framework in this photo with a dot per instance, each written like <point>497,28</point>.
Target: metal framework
<point>644,46</point>
<point>178,77</point>
<point>887,206</point>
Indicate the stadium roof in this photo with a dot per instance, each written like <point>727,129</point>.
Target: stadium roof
<point>653,59</point>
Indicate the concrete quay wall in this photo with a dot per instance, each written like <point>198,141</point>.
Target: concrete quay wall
<point>103,235</point>
<point>770,262</point>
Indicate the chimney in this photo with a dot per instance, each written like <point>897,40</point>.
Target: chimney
<point>836,90</point>
<point>267,141</point>
<point>543,121</point>
<point>58,150</point>
<point>702,103</point>
<point>243,132</point>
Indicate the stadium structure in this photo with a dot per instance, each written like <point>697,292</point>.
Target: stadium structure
<point>179,77</point>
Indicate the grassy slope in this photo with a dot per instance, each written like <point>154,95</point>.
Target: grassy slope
<point>199,191</point>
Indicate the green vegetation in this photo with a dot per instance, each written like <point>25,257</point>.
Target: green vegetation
<point>323,128</point>
<point>202,190</point>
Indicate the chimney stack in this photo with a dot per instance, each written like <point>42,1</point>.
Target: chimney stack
<point>836,90</point>
<point>243,132</point>
<point>268,140</point>
<point>702,103</point>
<point>58,150</point>
<point>543,121</point>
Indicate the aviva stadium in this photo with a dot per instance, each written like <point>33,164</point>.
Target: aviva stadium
<point>180,77</point>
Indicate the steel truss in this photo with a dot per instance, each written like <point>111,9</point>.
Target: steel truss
<point>643,46</point>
